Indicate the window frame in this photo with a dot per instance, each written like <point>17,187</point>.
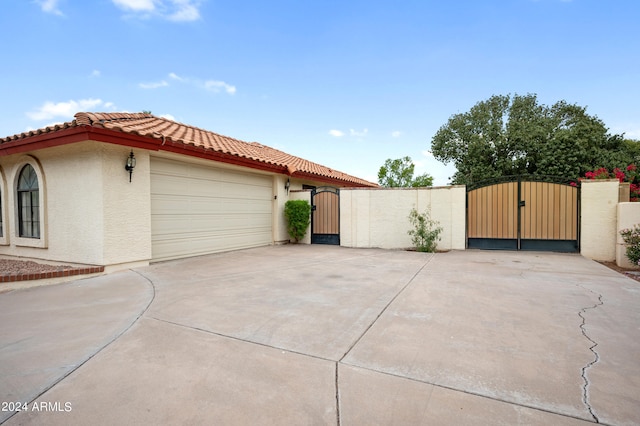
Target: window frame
<point>28,204</point>
<point>25,241</point>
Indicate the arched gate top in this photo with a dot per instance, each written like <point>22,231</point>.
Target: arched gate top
<point>524,178</point>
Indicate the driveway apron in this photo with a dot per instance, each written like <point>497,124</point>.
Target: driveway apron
<point>48,332</point>
<point>329,335</point>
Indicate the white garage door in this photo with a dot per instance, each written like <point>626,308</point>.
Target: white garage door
<point>198,209</point>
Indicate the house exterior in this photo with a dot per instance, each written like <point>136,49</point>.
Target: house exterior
<point>66,196</point>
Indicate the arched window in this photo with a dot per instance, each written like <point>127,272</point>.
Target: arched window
<point>28,203</point>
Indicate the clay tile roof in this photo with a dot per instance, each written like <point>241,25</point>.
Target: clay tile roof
<point>148,125</point>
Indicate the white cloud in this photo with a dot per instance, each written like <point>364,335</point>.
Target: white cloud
<point>396,134</point>
<point>136,5</point>
<point>632,134</point>
<point>630,130</point>
<point>50,6</point>
<point>50,110</point>
<point>185,11</point>
<point>95,73</point>
<point>172,10</point>
<point>216,86</point>
<point>336,133</point>
<point>361,134</point>
<point>427,153</point>
<point>168,117</point>
<point>154,85</point>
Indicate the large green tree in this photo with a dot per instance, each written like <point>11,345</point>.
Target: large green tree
<point>399,173</point>
<point>510,135</point>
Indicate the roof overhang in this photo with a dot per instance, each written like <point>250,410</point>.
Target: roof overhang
<point>85,133</point>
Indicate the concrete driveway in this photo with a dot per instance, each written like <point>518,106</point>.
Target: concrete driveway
<point>328,335</point>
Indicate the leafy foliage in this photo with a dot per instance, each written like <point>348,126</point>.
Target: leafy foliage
<point>629,174</point>
<point>426,231</point>
<point>298,214</point>
<point>631,237</point>
<point>399,173</point>
<point>507,135</point>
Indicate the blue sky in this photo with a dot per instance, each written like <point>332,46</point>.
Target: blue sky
<point>347,84</point>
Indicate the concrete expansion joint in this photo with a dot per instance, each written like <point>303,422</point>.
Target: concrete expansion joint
<point>424,265</point>
<point>592,348</point>
<point>337,396</point>
<point>76,366</point>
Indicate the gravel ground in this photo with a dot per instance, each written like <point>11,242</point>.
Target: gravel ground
<point>11,267</point>
<point>634,274</point>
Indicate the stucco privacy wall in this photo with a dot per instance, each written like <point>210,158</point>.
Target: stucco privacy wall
<point>379,217</point>
<point>628,216</point>
<point>598,218</point>
<point>85,190</point>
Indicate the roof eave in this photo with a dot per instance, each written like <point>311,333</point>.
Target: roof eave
<point>83,133</point>
<point>74,135</point>
<point>328,179</point>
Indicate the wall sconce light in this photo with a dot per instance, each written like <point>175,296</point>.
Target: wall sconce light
<point>131,164</point>
<point>287,184</point>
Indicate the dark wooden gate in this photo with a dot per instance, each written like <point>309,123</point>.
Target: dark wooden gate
<point>325,215</point>
<point>524,213</point>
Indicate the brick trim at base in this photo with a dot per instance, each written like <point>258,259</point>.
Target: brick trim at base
<point>51,274</point>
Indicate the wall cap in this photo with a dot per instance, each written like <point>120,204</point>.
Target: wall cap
<point>598,180</point>
<point>384,188</point>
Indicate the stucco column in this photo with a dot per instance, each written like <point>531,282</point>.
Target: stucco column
<point>598,219</point>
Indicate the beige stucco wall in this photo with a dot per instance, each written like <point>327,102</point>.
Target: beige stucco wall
<point>628,216</point>
<point>280,198</point>
<point>126,206</point>
<point>379,217</point>
<point>598,217</point>
<point>92,214</point>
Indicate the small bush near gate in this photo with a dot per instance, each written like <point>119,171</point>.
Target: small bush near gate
<point>631,238</point>
<point>298,214</point>
<point>426,232</point>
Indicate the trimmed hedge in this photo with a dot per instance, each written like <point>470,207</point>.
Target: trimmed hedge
<point>298,214</point>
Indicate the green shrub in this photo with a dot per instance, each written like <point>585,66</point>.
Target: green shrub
<point>631,238</point>
<point>426,232</point>
<point>298,214</point>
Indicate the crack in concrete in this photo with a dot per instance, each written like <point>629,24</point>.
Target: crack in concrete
<point>585,387</point>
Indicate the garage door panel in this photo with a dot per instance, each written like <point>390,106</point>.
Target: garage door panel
<point>177,225</point>
<point>190,205</point>
<point>198,209</point>
<point>177,248</point>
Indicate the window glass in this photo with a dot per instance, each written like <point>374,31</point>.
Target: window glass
<point>28,203</point>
